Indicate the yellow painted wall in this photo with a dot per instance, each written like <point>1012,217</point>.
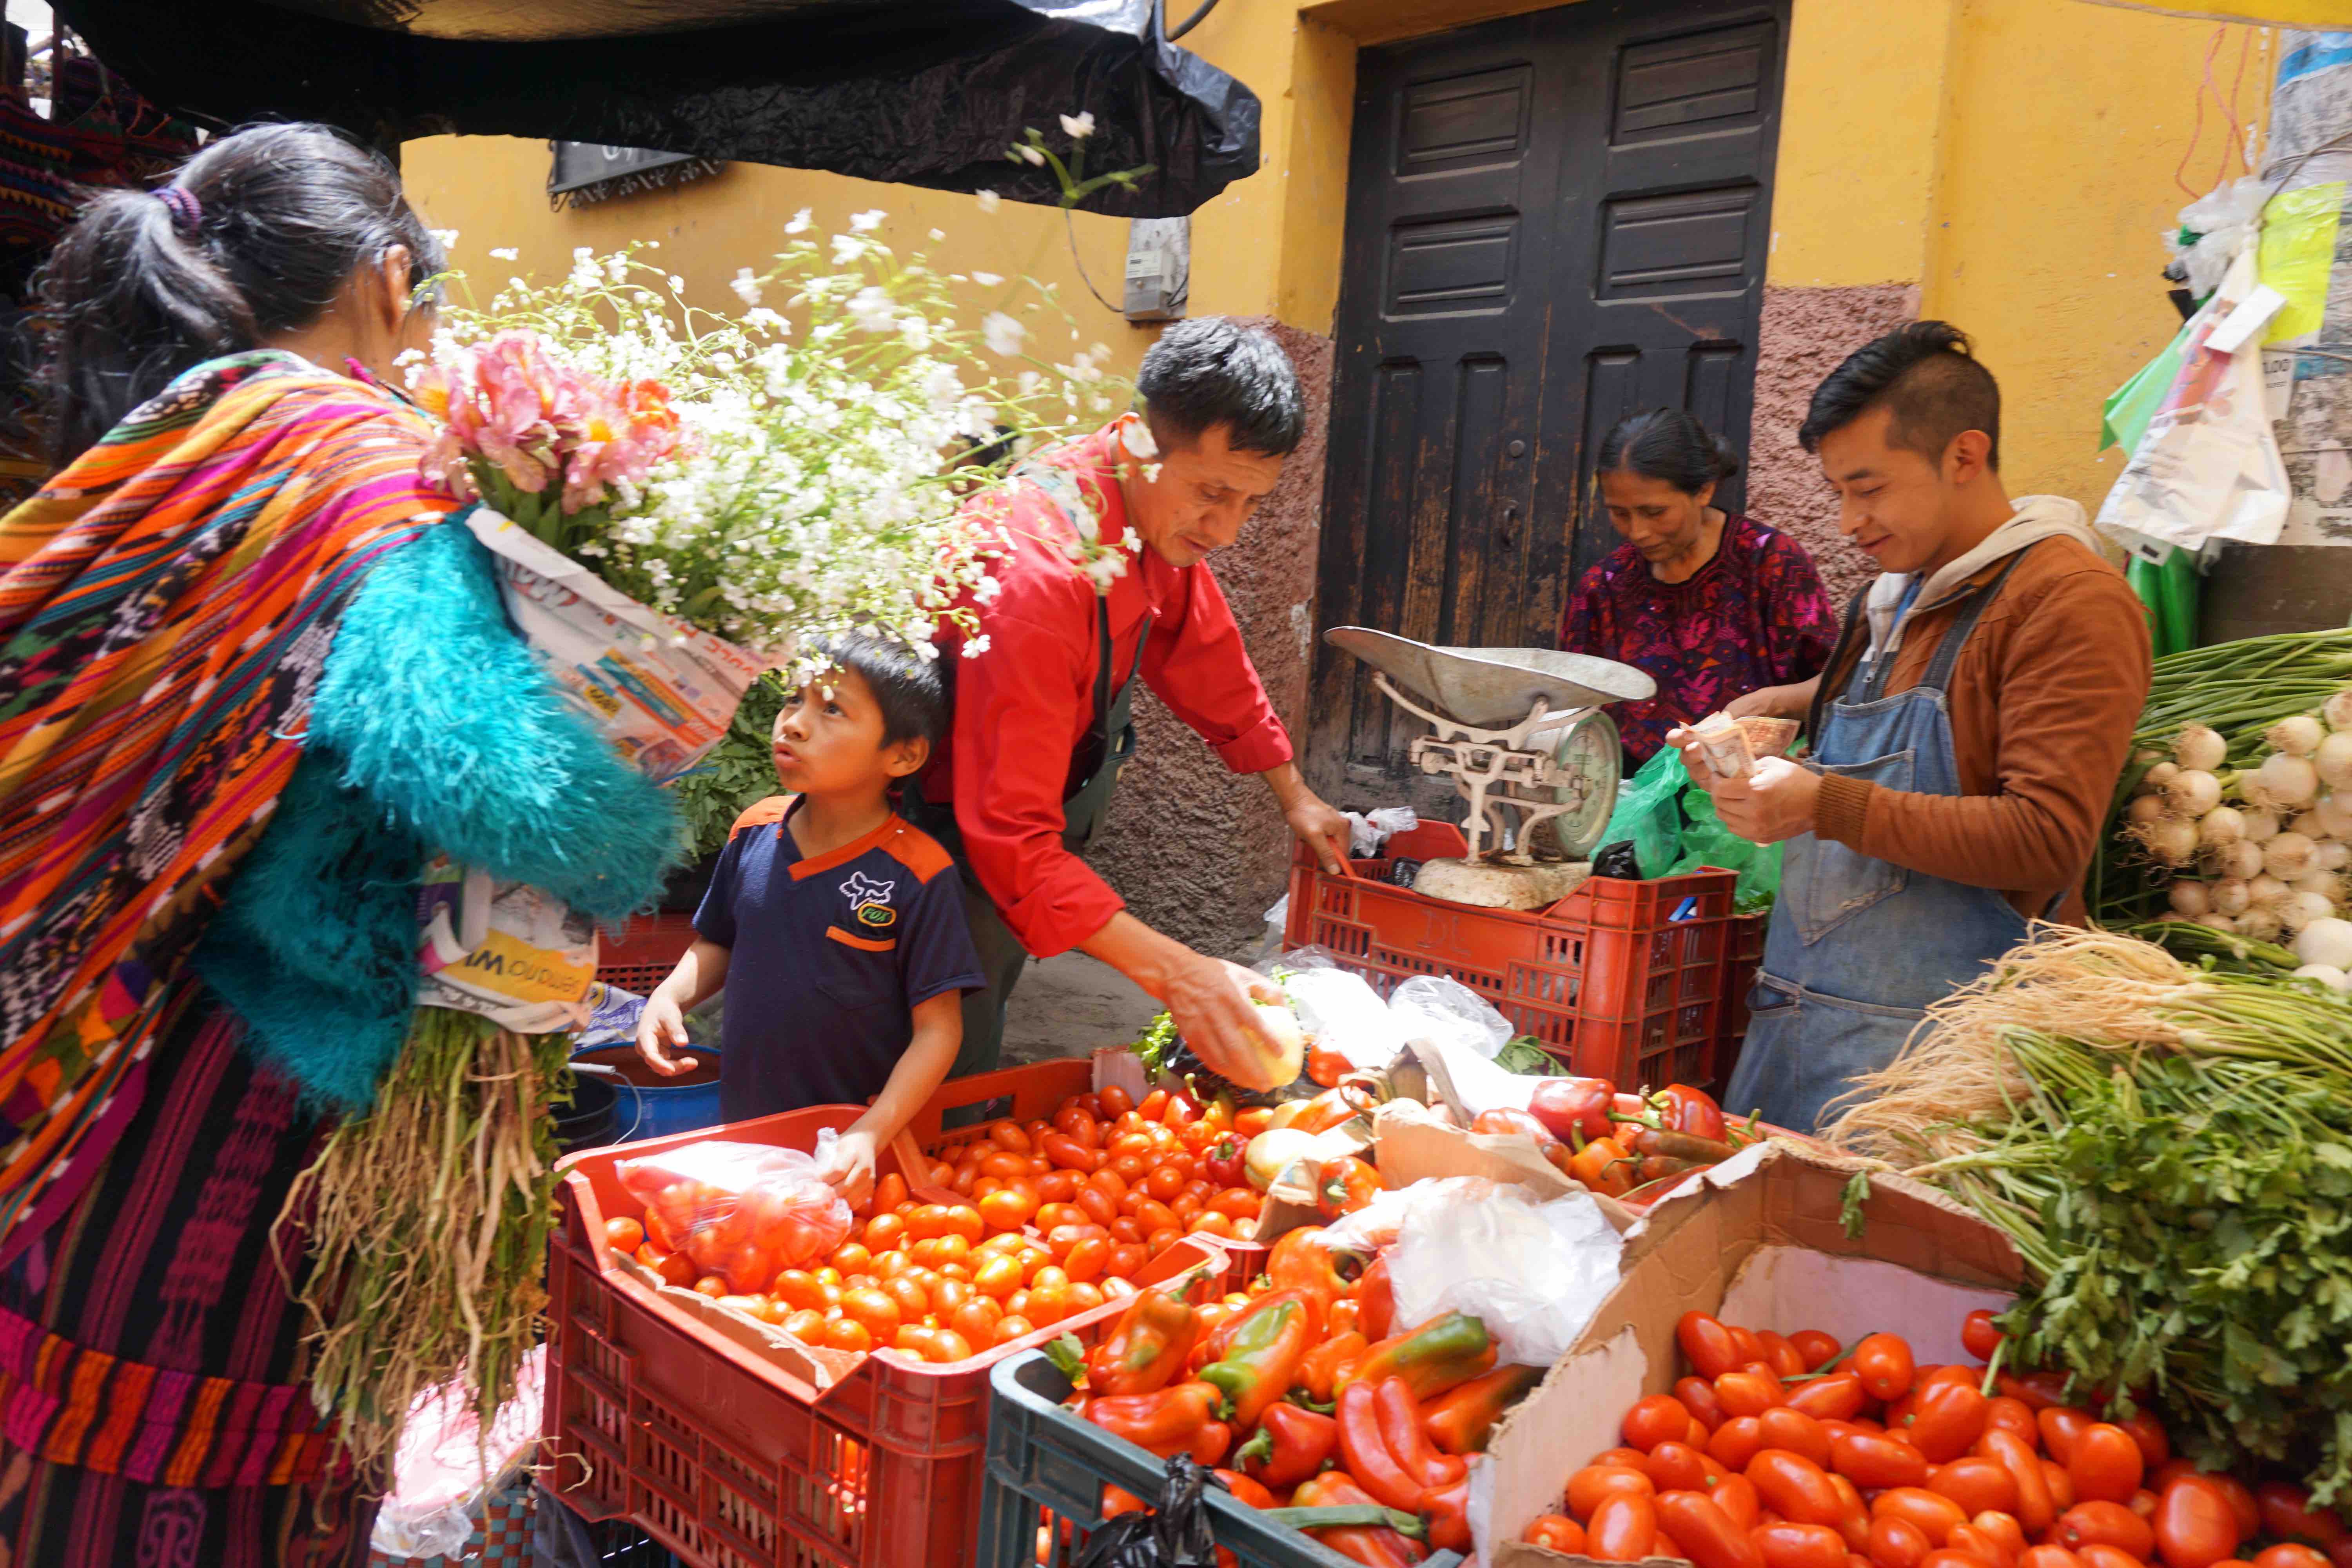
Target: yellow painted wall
<point>493,191</point>
<point>2069,124</point>
<point>2013,159</point>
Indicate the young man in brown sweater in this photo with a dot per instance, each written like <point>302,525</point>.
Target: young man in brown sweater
<point>1966,735</point>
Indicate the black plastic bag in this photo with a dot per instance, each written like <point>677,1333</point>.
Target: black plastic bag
<point>1618,860</point>
<point>1174,1533</point>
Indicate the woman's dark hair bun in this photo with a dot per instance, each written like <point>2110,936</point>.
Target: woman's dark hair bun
<point>140,290</point>
<point>1670,445</point>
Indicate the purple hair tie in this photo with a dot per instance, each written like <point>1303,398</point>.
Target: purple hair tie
<point>187,211</point>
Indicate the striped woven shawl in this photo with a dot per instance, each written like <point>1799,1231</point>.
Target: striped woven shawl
<point>166,605</point>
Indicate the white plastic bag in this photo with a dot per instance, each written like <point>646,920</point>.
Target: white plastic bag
<point>2208,466</point>
<point>1340,1012</point>
<point>1440,1007</point>
<point>438,1483</point>
<point>1534,1273</point>
<point>1368,832</point>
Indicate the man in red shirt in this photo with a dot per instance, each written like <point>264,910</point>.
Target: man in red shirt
<point>1102,579</point>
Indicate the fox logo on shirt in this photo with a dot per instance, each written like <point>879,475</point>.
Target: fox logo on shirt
<point>869,901</point>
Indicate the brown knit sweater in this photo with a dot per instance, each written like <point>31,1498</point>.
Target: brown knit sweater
<point>2043,703</point>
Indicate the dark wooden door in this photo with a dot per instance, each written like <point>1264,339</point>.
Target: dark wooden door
<point>1553,220</point>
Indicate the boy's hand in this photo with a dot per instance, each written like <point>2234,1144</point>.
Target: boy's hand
<point>850,1171</point>
<point>661,1028</point>
<point>1770,805</point>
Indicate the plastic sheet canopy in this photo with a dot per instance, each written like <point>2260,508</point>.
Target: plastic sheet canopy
<point>924,92</point>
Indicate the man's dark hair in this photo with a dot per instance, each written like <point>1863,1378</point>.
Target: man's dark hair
<point>907,687</point>
<point>1210,371</point>
<point>1926,376</point>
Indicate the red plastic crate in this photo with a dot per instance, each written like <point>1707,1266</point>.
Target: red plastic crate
<point>1610,983</point>
<point>722,1456</point>
<point>1746,953</point>
<point>642,957</point>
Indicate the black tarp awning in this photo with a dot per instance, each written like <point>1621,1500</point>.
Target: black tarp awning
<point>922,92</point>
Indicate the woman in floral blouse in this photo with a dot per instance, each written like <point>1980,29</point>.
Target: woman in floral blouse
<point>1714,605</point>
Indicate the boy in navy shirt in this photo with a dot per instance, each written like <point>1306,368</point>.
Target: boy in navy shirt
<point>836,929</point>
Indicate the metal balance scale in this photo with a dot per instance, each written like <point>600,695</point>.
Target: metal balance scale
<point>1521,732</point>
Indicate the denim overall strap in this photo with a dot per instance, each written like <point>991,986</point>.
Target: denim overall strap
<point>1858,947</point>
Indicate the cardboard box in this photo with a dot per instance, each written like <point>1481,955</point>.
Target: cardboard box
<point>1758,1241</point>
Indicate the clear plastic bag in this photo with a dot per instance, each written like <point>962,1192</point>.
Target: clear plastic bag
<point>744,1212</point>
<point>1339,1011</point>
<point>438,1479</point>
<point>1438,1007</point>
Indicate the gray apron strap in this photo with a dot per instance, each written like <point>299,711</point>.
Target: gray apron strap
<point>1873,673</point>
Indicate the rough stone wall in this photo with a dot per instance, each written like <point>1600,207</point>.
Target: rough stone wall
<point>1198,852</point>
<point>1804,333</point>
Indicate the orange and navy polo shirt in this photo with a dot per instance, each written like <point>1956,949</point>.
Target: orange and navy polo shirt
<point>827,958</point>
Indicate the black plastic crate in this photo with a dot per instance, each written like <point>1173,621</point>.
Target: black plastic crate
<point>1046,1470</point>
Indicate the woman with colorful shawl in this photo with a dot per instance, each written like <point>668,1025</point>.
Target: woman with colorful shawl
<point>247,682</point>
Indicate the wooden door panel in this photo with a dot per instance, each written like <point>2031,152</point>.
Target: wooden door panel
<point>1553,220</point>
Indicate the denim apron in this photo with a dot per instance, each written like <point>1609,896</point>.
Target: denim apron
<point>1859,947</point>
<point>1095,768</point>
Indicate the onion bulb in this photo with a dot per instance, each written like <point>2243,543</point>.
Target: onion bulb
<point>2326,974</point>
<point>2304,910</point>
<point>2193,792</point>
<point>2243,860</point>
<point>2298,736</point>
<point>2334,814</point>
<point>2262,925</point>
<point>2308,824</point>
<point>2334,760</point>
<point>2331,855</point>
<point>2199,748</point>
<point>2190,897</point>
<point>2327,884</point>
<point>2144,809</point>
<point>2160,775</point>
<point>2268,892</point>
<point>2230,896</point>
<point>2217,922</point>
<point>2260,825</point>
<point>2220,827</point>
<point>2288,782</point>
<point>2337,709</point>
<point>2288,856</point>
<point>2325,939</point>
<point>2170,840</point>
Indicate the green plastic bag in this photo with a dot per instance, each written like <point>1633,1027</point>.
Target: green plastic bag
<point>1705,841</point>
<point>1649,813</point>
<point>1673,827</point>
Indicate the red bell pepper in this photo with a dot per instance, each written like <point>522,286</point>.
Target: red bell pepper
<point>1290,1446</point>
<point>1343,1185</point>
<point>1376,1300</point>
<point>1179,1420</point>
<point>1459,1419</point>
<point>1444,1352</point>
<point>1691,1111</point>
<point>1245,1489</point>
<point>1224,1162</point>
<point>1375,1543</point>
<point>1318,1371</point>
<point>1574,1109</point>
<point>1364,1450</point>
<point>1446,1510</point>
<point>1326,1067</point>
<point>1262,1349</point>
<point>1300,1261</point>
<point>1401,1428</point>
<point>1145,1349</point>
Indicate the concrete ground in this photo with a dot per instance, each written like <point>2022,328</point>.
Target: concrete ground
<point>1068,1005</point>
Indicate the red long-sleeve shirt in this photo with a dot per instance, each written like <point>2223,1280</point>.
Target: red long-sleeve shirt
<point>1024,704</point>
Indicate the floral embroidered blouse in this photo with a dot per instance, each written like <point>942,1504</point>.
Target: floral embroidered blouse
<point>1754,616</point>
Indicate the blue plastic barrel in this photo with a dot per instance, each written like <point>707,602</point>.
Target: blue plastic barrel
<point>648,1105</point>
